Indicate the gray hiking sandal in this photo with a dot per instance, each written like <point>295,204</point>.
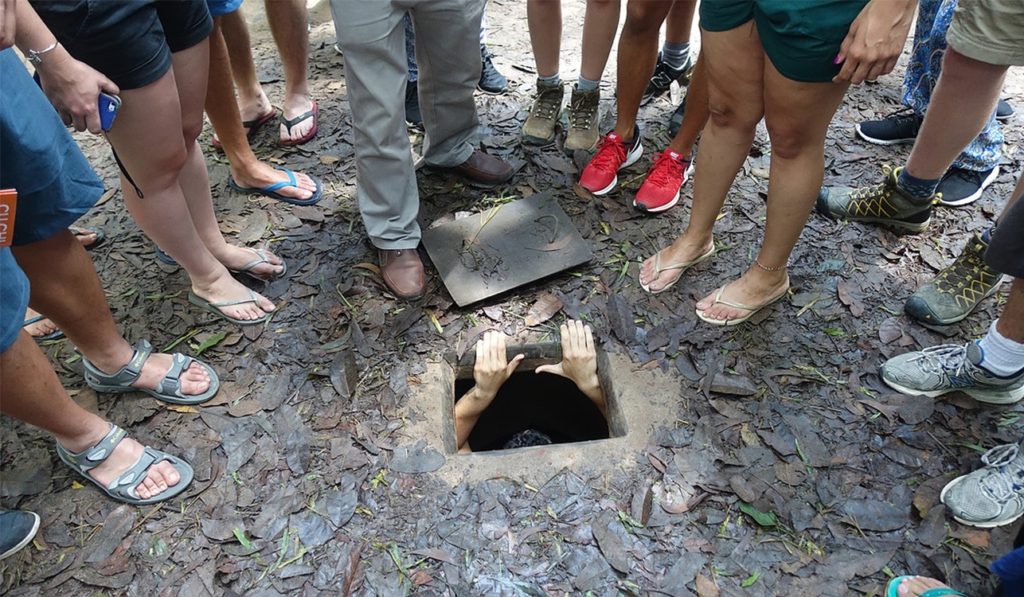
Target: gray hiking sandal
<point>122,488</point>
<point>169,388</point>
<point>991,496</point>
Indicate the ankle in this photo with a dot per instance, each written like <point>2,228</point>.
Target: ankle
<point>110,358</point>
<point>626,132</point>
<point>92,431</point>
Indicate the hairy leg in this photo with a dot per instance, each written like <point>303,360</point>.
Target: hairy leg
<point>246,169</point>
<point>961,105</point>
<point>545,21</point>
<point>599,26</point>
<point>58,264</point>
<point>252,102</point>
<point>33,394</point>
<point>638,51</point>
<point>734,61</point>
<point>797,116</point>
<point>289,24</point>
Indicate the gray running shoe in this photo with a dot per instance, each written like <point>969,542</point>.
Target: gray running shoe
<point>950,368</point>
<point>991,496</point>
<point>539,128</point>
<point>584,114</point>
<point>956,290</point>
<point>883,204</point>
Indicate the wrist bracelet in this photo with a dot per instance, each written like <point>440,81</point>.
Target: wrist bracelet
<point>36,56</point>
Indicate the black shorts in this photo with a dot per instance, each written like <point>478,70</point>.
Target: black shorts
<point>129,41</point>
<point>1005,252</point>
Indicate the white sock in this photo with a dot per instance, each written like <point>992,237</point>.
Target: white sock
<point>999,354</point>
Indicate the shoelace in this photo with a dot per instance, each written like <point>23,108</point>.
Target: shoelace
<point>945,358</point>
<point>874,191</point>
<point>666,170</point>
<point>581,114</point>
<point>969,266</point>
<point>1000,484</point>
<point>547,105</point>
<point>610,155</point>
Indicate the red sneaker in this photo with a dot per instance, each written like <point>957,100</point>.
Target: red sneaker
<point>660,190</point>
<point>601,174</point>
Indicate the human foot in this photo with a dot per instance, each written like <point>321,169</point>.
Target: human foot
<point>241,259</point>
<point>194,379</point>
<point>230,298</point>
<point>119,457</point>
<point>38,326</point>
<point>916,586</point>
<point>740,299</point>
<point>298,120</point>
<point>261,175</point>
<point>254,115</point>
<point>663,269</point>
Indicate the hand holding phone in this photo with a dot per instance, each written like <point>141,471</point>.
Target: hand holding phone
<point>109,105</point>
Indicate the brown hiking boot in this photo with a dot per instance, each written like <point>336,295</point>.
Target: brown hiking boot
<point>539,128</point>
<point>584,115</point>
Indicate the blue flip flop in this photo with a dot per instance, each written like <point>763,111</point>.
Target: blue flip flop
<point>892,590</point>
<point>271,190</point>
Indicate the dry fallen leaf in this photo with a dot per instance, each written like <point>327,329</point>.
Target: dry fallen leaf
<point>543,309</point>
<point>706,587</point>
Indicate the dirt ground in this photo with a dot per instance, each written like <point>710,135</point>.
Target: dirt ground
<point>788,468</point>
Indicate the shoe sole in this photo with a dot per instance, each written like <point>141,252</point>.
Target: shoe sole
<point>895,225</point>
<point>490,92</point>
<point>659,209</point>
<point>988,397</point>
<point>977,194</point>
<point>631,158</point>
<point>25,540</point>
<point>877,141</point>
<point>981,525</point>
<point>540,141</point>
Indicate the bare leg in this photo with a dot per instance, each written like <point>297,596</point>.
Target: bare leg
<point>58,264</point>
<point>797,116</point>
<point>696,114</point>
<point>246,169</point>
<point>1011,322</point>
<point>545,21</point>
<point>1015,196</point>
<point>252,102</point>
<point>638,51</point>
<point>599,26</point>
<point>33,394</point>
<point>289,23</point>
<point>735,62</point>
<point>962,103</point>
<point>148,136</point>
<point>680,22</point>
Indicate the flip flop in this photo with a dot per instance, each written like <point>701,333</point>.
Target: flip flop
<point>253,125</point>
<point>261,257</point>
<point>163,257</point>
<point>753,310</point>
<point>122,488</point>
<point>290,122</point>
<point>682,267</point>
<point>271,190</point>
<point>98,242</point>
<point>215,308</point>
<point>892,589</point>
<point>169,389</point>
<point>54,335</point>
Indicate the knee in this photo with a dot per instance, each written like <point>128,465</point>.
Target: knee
<point>789,140</point>
<point>642,18</point>
<point>190,130</point>
<point>734,114</point>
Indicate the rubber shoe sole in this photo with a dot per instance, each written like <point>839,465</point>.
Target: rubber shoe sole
<point>877,141</point>
<point>660,208</point>
<point>24,540</point>
<point>631,158</point>
<point>977,194</point>
<point>987,396</point>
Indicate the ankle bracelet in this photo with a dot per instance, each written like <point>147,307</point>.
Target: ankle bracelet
<point>770,269</point>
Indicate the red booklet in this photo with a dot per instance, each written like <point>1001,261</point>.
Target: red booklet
<point>8,207</point>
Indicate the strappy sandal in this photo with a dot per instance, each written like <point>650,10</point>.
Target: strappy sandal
<point>751,310</point>
<point>122,488</point>
<point>892,589</point>
<point>215,308</point>
<point>169,388</point>
<point>252,127</point>
<point>682,267</point>
<point>261,257</point>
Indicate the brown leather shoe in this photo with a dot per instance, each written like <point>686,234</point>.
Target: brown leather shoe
<point>402,271</point>
<point>483,170</point>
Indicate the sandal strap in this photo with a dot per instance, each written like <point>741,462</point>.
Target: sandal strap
<point>290,122</point>
<point>125,484</point>
<point>126,375</point>
<point>90,458</point>
<point>733,304</point>
<point>171,382</point>
<point>262,257</point>
<point>291,182</point>
<point>251,299</point>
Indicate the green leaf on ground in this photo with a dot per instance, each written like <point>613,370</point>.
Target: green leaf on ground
<point>765,519</point>
<point>750,580</point>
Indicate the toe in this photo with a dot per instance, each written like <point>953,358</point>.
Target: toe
<point>165,475</point>
<point>306,183</point>
<point>264,303</point>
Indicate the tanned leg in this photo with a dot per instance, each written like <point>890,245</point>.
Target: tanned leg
<point>545,21</point>
<point>599,26</point>
<point>638,52</point>
<point>289,23</point>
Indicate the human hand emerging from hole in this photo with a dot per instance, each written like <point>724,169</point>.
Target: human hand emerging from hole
<point>579,362</point>
<point>492,369</point>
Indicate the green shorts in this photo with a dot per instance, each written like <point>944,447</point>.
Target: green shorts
<point>800,37</point>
